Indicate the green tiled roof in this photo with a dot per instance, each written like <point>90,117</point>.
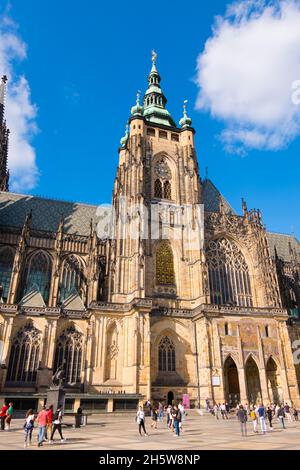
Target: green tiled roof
<point>46,213</point>
<point>283,244</point>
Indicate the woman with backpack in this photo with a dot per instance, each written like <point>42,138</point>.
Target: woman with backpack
<point>57,420</point>
<point>28,427</point>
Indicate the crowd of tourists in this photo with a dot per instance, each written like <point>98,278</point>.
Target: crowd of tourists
<point>46,421</point>
<point>175,417</point>
<point>262,417</point>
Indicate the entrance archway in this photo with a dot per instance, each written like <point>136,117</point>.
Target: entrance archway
<point>274,381</point>
<point>232,386</point>
<point>253,381</point>
<point>170,398</point>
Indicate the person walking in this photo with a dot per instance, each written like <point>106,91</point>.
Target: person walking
<point>154,418</point>
<point>140,419</point>
<point>182,416</point>
<point>42,422</point>
<point>3,415</point>
<point>176,420</point>
<point>57,420</point>
<point>253,417</point>
<point>270,417</point>
<point>216,411</point>
<point>287,411</point>
<point>207,404</point>
<point>281,416</point>
<point>227,409</point>
<point>160,412</point>
<point>242,418</point>
<point>295,414</point>
<point>261,410</point>
<point>49,422</point>
<point>223,411</point>
<point>8,418</point>
<point>28,427</point>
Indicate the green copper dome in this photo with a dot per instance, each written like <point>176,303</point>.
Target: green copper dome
<point>125,138</point>
<point>185,121</point>
<point>138,109</point>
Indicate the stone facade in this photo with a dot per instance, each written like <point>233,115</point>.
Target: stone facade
<point>150,311</point>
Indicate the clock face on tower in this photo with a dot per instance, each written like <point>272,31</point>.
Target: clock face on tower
<point>162,170</point>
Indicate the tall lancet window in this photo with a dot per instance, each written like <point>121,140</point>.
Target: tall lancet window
<point>164,264</point>
<point>38,273</point>
<point>72,277</point>
<point>6,266</point>
<point>166,355</point>
<point>24,356</point>
<point>162,185</point>
<point>229,277</point>
<point>68,354</point>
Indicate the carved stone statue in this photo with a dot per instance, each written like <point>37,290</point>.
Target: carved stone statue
<point>58,377</point>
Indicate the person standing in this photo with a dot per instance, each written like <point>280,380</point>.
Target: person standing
<point>154,418</point>
<point>216,411</point>
<point>42,422</point>
<point>176,420</point>
<point>3,415</point>
<point>295,414</point>
<point>242,418</point>
<point>287,412</point>
<point>281,416</point>
<point>28,427</point>
<point>49,423</point>
<point>182,416</point>
<point>207,404</point>
<point>140,418</point>
<point>253,417</point>
<point>270,417</point>
<point>8,418</point>
<point>224,411</point>
<point>262,418</point>
<point>57,420</point>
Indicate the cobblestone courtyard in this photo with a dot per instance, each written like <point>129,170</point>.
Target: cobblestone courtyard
<point>108,432</point>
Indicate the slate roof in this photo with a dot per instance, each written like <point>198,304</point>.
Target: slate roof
<point>284,244</point>
<point>46,213</point>
<point>211,198</point>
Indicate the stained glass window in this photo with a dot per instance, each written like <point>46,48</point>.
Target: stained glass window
<point>68,353</point>
<point>71,278</point>
<point>164,264</point>
<point>229,277</point>
<point>6,266</point>
<point>24,356</point>
<point>166,355</point>
<point>158,192</point>
<point>38,273</point>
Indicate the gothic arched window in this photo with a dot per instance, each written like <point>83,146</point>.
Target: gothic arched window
<point>164,264</point>
<point>38,273</point>
<point>6,266</point>
<point>71,278</point>
<point>158,192</point>
<point>24,356</point>
<point>167,190</point>
<point>166,355</point>
<point>229,277</point>
<point>68,354</point>
<point>162,185</point>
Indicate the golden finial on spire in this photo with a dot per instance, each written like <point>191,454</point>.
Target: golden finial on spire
<point>154,57</point>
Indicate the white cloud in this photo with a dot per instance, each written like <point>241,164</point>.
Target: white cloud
<point>20,111</point>
<point>246,74</point>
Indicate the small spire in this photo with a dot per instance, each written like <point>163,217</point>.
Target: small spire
<point>206,172</point>
<point>244,206</point>
<point>138,108</point>
<point>185,121</point>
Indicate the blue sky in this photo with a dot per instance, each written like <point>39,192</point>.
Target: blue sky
<point>84,63</point>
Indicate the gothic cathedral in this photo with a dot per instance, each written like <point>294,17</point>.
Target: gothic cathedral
<point>167,293</point>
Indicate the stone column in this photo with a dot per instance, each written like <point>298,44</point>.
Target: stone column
<point>262,369</point>
<point>7,340</point>
<point>241,369</point>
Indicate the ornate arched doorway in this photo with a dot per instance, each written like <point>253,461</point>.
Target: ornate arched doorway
<point>232,386</point>
<point>274,381</point>
<point>252,381</point>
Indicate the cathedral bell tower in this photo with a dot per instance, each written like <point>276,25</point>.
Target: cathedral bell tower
<point>157,251</point>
